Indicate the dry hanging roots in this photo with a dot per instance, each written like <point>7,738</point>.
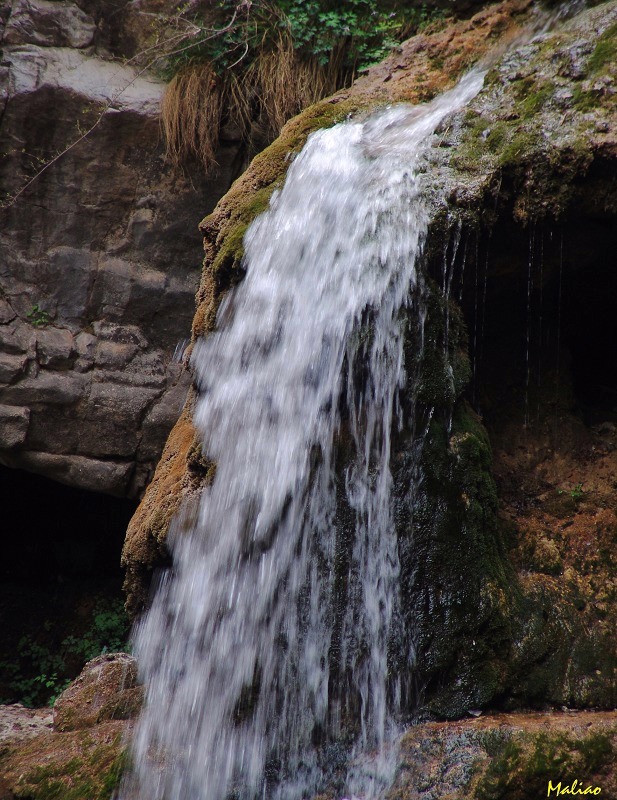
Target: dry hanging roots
<point>277,86</point>
<point>191,115</point>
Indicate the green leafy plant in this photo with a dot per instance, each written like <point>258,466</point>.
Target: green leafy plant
<point>42,671</point>
<point>108,632</point>
<point>366,29</point>
<point>38,316</point>
<point>234,34</point>
<point>257,64</point>
<point>43,686</point>
<point>576,493</point>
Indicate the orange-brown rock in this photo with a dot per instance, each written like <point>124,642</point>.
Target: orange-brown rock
<point>83,756</point>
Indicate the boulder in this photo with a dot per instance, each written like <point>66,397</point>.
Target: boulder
<point>106,689</point>
<point>78,748</point>
<point>49,24</point>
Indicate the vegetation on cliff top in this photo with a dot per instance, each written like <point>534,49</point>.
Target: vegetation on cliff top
<point>249,67</point>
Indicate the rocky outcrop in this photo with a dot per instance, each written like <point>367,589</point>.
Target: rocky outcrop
<point>47,24</point>
<point>106,689</point>
<point>524,617</point>
<point>424,66</point>
<point>82,754</point>
<point>529,171</point>
<point>99,252</point>
<point>510,756</point>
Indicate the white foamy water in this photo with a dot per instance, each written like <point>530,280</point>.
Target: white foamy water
<point>268,641</point>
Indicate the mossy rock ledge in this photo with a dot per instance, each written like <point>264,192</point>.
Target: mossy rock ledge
<point>78,751</point>
<point>505,612</point>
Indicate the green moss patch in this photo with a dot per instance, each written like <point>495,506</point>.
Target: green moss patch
<point>523,764</point>
<point>80,765</point>
<point>532,96</point>
<point>605,51</point>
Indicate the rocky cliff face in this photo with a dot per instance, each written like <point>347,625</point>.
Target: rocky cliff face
<point>424,66</point>
<point>99,249</point>
<point>516,534</point>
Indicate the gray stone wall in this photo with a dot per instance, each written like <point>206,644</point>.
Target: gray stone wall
<point>99,256</point>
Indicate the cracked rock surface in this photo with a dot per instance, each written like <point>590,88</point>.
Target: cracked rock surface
<point>99,251</point>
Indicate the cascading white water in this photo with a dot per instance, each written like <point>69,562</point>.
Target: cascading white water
<point>270,635</point>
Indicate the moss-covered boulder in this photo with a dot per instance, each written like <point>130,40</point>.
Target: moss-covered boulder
<point>106,689</point>
<point>508,757</point>
<point>421,68</point>
<point>79,765</point>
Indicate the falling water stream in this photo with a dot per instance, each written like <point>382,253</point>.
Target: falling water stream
<point>266,647</point>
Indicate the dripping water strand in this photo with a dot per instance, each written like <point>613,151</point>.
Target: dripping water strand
<point>480,347</point>
<point>475,327</point>
<point>540,325</point>
<point>529,321</point>
<point>448,271</point>
<point>450,252</point>
<point>559,297</point>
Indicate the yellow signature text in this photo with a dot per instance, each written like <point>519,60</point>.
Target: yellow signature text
<point>576,787</point>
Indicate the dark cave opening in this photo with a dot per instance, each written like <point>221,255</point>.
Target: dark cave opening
<point>539,306</point>
<point>61,594</point>
<point>590,331</point>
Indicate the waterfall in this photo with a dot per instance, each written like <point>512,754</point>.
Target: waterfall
<point>266,650</point>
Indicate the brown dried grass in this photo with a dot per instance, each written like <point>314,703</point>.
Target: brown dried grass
<point>276,86</point>
<point>284,84</point>
<point>191,115</point>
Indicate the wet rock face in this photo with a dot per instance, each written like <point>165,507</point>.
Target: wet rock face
<point>533,163</point>
<point>99,254</point>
